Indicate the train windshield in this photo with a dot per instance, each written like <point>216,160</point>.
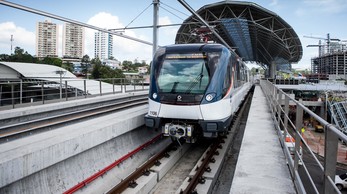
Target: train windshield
<point>183,73</point>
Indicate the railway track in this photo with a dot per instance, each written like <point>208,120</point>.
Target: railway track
<point>199,177</point>
<point>41,122</point>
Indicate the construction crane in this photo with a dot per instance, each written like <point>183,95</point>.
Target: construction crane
<point>320,45</point>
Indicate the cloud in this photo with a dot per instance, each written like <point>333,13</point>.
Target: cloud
<point>123,49</point>
<point>308,52</point>
<point>325,6</point>
<point>274,3</point>
<point>22,38</point>
<point>300,12</point>
<point>164,20</point>
<point>167,34</point>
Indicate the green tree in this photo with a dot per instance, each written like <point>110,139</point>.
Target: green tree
<point>5,57</point>
<point>22,56</point>
<point>259,70</point>
<point>103,71</point>
<point>127,65</point>
<point>18,51</point>
<point>52,61</point>
<point>85,63</point>
<point>68,66</point>
<point>96,72</point>
<point>85,59</point>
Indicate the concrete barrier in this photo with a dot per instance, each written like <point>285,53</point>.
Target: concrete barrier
<point>27,111</point>
<point>45,156</point>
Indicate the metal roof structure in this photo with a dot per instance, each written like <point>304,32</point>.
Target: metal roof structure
<point>31,72</point>
<point>16,70</point>
<point>257,34</point>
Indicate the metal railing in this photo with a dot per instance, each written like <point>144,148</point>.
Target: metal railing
<point>279,106</point>
<point>14,94</point>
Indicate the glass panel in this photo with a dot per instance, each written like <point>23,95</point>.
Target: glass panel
<point>188,76</point>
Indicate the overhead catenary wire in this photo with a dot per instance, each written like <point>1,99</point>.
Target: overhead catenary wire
<point>162,25</point>
<point>159,26</point>
<point>173,9</point>
<point>138,16</point>
<point>39,12</point>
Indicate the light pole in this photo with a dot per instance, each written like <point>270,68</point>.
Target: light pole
<point>60,72</point>
<point>326,104</point>
<point>155,25</point>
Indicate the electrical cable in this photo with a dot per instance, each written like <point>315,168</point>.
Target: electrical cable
<point>138,15</point>
<point>173,9</point>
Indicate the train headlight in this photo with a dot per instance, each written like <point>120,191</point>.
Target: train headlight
<point>189,130</point>
<point>154,95</point>
<point>166,128</point>
<point>209,97</point>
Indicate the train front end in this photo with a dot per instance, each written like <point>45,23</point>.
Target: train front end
<point>180,84</point>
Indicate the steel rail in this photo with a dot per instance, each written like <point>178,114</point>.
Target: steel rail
<point>20,129</point>
<point>198,176</point>
<point>124,184</point>
<point>111,166</point>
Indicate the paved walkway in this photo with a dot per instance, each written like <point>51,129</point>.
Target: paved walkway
<point>261,165</point>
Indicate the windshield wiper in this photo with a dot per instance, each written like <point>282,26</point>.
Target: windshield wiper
<point>196,80</point>
<point>173,90</point>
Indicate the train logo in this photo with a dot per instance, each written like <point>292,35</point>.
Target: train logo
<point>179,98</point>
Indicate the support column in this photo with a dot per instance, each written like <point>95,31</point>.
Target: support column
<point>155,26</point>
<point>272,70</point>
<point>323,112</point>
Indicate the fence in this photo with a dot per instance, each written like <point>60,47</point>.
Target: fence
<point>279,106</point>
<point>31,92</point>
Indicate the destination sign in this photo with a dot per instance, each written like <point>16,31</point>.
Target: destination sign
<point>186,56</point>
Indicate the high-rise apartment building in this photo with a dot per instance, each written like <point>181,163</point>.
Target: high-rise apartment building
<point>46,39</point>
<point>110,46</point>
<point>100,45</point>
<point>73,41</point>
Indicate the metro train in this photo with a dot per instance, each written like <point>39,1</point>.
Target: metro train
<point>195,89</point>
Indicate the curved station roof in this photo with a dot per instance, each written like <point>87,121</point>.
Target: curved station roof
<point>50,76</point>
<point>17,70</point>
<point>257,34</point>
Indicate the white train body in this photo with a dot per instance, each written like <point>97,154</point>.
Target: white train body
<point>195,90</point>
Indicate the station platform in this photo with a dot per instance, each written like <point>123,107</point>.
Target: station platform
<point>261,166</point>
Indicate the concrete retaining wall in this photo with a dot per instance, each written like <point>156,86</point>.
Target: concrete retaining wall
<point>43,163</point>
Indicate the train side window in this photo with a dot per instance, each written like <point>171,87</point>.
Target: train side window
<point>213,60</point>
<point>232,72</point>
<point>237,74</point>
<point>243,74</point>
<point>227,80</point>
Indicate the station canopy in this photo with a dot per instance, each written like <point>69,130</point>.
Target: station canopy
<point>257,34</point>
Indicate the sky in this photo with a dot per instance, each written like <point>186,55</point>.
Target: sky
<point>314,18</point>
